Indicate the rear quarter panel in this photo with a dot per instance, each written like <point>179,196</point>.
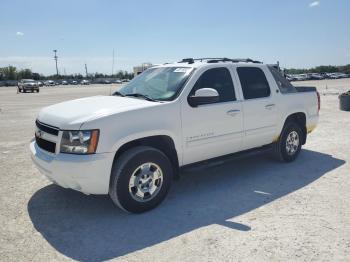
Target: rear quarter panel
<point>305,102</point>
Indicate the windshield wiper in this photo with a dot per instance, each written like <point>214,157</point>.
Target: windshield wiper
<point>117,93</point>
<point>142,96</point>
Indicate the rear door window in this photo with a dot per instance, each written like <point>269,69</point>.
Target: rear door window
<point>254,83</point>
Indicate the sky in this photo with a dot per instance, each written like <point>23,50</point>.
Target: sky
<point>298,33</point>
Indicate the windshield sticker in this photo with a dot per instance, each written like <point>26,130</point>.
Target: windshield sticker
<point>181,70</point>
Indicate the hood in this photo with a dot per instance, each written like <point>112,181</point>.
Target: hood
<point>72,114</point>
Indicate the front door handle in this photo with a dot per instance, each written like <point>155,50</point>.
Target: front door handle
<point>269,106</point>
<point>233,112</point>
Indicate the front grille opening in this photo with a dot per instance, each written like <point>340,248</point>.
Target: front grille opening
<point>46,145</point>
<point>46,128</point>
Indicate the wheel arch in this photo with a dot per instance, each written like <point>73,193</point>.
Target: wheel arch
<point>300,119</point>
<point>163,143</point>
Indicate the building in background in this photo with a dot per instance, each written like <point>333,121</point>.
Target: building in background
<point>139,69</point>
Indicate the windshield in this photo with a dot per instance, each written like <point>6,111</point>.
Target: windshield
<point>28,81</point>
<point>163,83</point>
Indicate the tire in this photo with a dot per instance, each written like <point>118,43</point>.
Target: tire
<point>286,149</point>
<point>129,174</point>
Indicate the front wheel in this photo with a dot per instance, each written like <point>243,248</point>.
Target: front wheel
<point>288,146</point>
<point>140,179</point>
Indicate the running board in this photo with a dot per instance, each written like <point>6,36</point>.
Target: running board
<point>226,158</point>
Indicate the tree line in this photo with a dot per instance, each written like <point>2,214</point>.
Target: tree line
<point>320,69</point>
<point>12,73</point>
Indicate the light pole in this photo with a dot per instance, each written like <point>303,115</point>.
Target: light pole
<point>113,63</point>
<point>56,57</point>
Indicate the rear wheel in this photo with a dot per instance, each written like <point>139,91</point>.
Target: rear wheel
<point>288,146</point>
<point>140,179</point>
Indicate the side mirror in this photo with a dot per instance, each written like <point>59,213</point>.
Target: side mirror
<point>203,96</point>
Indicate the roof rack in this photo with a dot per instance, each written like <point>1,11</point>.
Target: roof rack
<point>221,59</point>
<point>187,60</point>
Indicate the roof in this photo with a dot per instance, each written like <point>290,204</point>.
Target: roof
<point>199,62</point>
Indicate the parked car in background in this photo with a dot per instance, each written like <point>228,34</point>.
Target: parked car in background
<point>73,82</point>
<point>299,77</point>
<point>336,75</point>
<point>291,78</point>
<point>105,81</point>
<point>325,75</point>
<point>341,75</point>
<point>304,77</point>
<point>333,76</point>
<point>64,82</point>
<point>49,83</point>
<point>315,76</point>
<point>85,82</point>
<point>11,83</point>
<point>25,85</point>
<point>117,81</point>
<point>40,83</point>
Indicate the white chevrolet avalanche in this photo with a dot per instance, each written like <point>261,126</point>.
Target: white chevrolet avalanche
<point>132,144</point>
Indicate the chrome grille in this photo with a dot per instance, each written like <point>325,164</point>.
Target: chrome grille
<point>46,136</point>
<point>46,145</point>
<point>47,128</point>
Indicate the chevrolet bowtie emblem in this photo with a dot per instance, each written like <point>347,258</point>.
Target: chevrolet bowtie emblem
<point>39,133</point>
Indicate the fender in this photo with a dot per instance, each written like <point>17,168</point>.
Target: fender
<point>118,144</point>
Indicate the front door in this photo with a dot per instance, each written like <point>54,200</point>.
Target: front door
<point>213,129</point>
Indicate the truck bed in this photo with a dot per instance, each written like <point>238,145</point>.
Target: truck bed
<point>302,89</point>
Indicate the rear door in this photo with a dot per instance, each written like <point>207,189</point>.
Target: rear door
<point>259,106</point>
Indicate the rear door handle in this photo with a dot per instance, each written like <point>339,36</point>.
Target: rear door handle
<point>269,106</point>
<point>233,112</point>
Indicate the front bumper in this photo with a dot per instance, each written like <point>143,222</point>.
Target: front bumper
<point>89,174</point>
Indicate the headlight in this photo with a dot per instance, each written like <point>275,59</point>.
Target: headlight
<point>79,142</point>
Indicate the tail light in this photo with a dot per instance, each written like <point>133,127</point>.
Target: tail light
<point>318,102</point>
